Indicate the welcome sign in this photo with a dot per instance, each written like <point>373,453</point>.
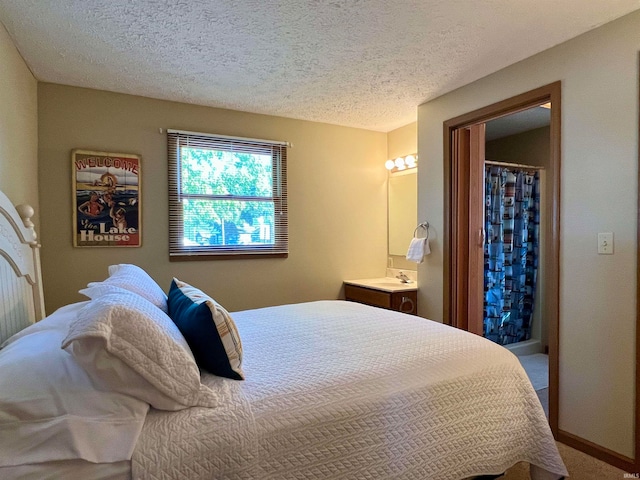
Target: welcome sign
<point>106,199</point>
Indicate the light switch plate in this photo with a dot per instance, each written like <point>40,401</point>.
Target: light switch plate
<point>605,243</point>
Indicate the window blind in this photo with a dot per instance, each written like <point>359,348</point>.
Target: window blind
<point>266,238</point>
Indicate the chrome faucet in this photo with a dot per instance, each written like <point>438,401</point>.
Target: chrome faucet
<point>403,278</point>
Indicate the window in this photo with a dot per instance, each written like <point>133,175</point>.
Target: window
<point>227,195</point>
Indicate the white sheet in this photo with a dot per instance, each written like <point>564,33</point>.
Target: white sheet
<point>68,469</point>
<point>52,410</point>
<point>338,390</point>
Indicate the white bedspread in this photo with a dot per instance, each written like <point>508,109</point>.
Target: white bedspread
<point>339,390</point>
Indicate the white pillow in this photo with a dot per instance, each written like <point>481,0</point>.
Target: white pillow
<point>128,345</point>
<point>50,409</point>
<point>98,289</point>
<point>136,280</point>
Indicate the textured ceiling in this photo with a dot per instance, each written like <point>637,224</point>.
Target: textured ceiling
<point>361,63</point>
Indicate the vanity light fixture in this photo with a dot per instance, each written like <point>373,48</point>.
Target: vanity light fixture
<point>402,163</point>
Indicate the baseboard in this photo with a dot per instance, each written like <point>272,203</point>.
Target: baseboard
<point>601,453</point>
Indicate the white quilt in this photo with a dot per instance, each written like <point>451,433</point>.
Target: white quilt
<point>339,390</point>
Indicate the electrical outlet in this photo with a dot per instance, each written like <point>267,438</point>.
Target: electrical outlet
<point>605,243</point>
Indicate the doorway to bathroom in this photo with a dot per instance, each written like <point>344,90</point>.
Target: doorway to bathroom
<point>515,207</point>
<point>468,146</point>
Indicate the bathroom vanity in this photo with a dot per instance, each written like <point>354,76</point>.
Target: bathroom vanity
<point>384,292</point>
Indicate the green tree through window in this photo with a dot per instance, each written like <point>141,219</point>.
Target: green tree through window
<point>227,196</point>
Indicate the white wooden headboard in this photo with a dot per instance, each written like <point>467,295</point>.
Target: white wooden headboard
<point>21,298</point>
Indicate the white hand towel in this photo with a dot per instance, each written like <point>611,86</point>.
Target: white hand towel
<point>418,248</point>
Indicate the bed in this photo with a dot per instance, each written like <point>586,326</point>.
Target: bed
<point>318,390</point>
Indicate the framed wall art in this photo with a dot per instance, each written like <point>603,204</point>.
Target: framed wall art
<point>106,199</point>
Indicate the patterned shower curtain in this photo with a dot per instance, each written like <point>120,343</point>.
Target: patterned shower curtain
<point>512,217</point>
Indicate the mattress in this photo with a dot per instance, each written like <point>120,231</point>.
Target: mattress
<point>339,390</point>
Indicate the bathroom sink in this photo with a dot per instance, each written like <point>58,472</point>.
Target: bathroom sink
<point>389,282</point>
<point>385,283</point>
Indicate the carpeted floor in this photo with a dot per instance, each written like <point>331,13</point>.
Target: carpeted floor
<point>580,466</point>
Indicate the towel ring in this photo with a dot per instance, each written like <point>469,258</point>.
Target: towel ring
<point>424,225</point>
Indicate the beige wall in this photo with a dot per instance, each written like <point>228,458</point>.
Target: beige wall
<point>18,126</point>
<point>529,148</point>
<point>599,74</point>
<point>401,142</point>
<point>337,199</point>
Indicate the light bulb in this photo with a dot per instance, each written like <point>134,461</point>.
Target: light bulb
<point>399,162</point>
<point>410,160</point>
<point>389,164</point>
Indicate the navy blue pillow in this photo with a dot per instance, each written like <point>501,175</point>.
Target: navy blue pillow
<point>208,329</point>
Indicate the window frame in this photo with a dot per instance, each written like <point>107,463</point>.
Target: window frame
<point>176,139</point>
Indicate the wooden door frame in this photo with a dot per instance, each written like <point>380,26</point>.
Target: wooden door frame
<point>456,229</point>
<point>456,261</point>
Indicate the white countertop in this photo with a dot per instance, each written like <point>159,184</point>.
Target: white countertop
<point>385,284</point>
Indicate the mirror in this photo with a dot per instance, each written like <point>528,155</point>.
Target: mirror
<point>402,210</point>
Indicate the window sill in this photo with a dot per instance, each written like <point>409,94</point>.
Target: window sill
<point>203,256</point>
